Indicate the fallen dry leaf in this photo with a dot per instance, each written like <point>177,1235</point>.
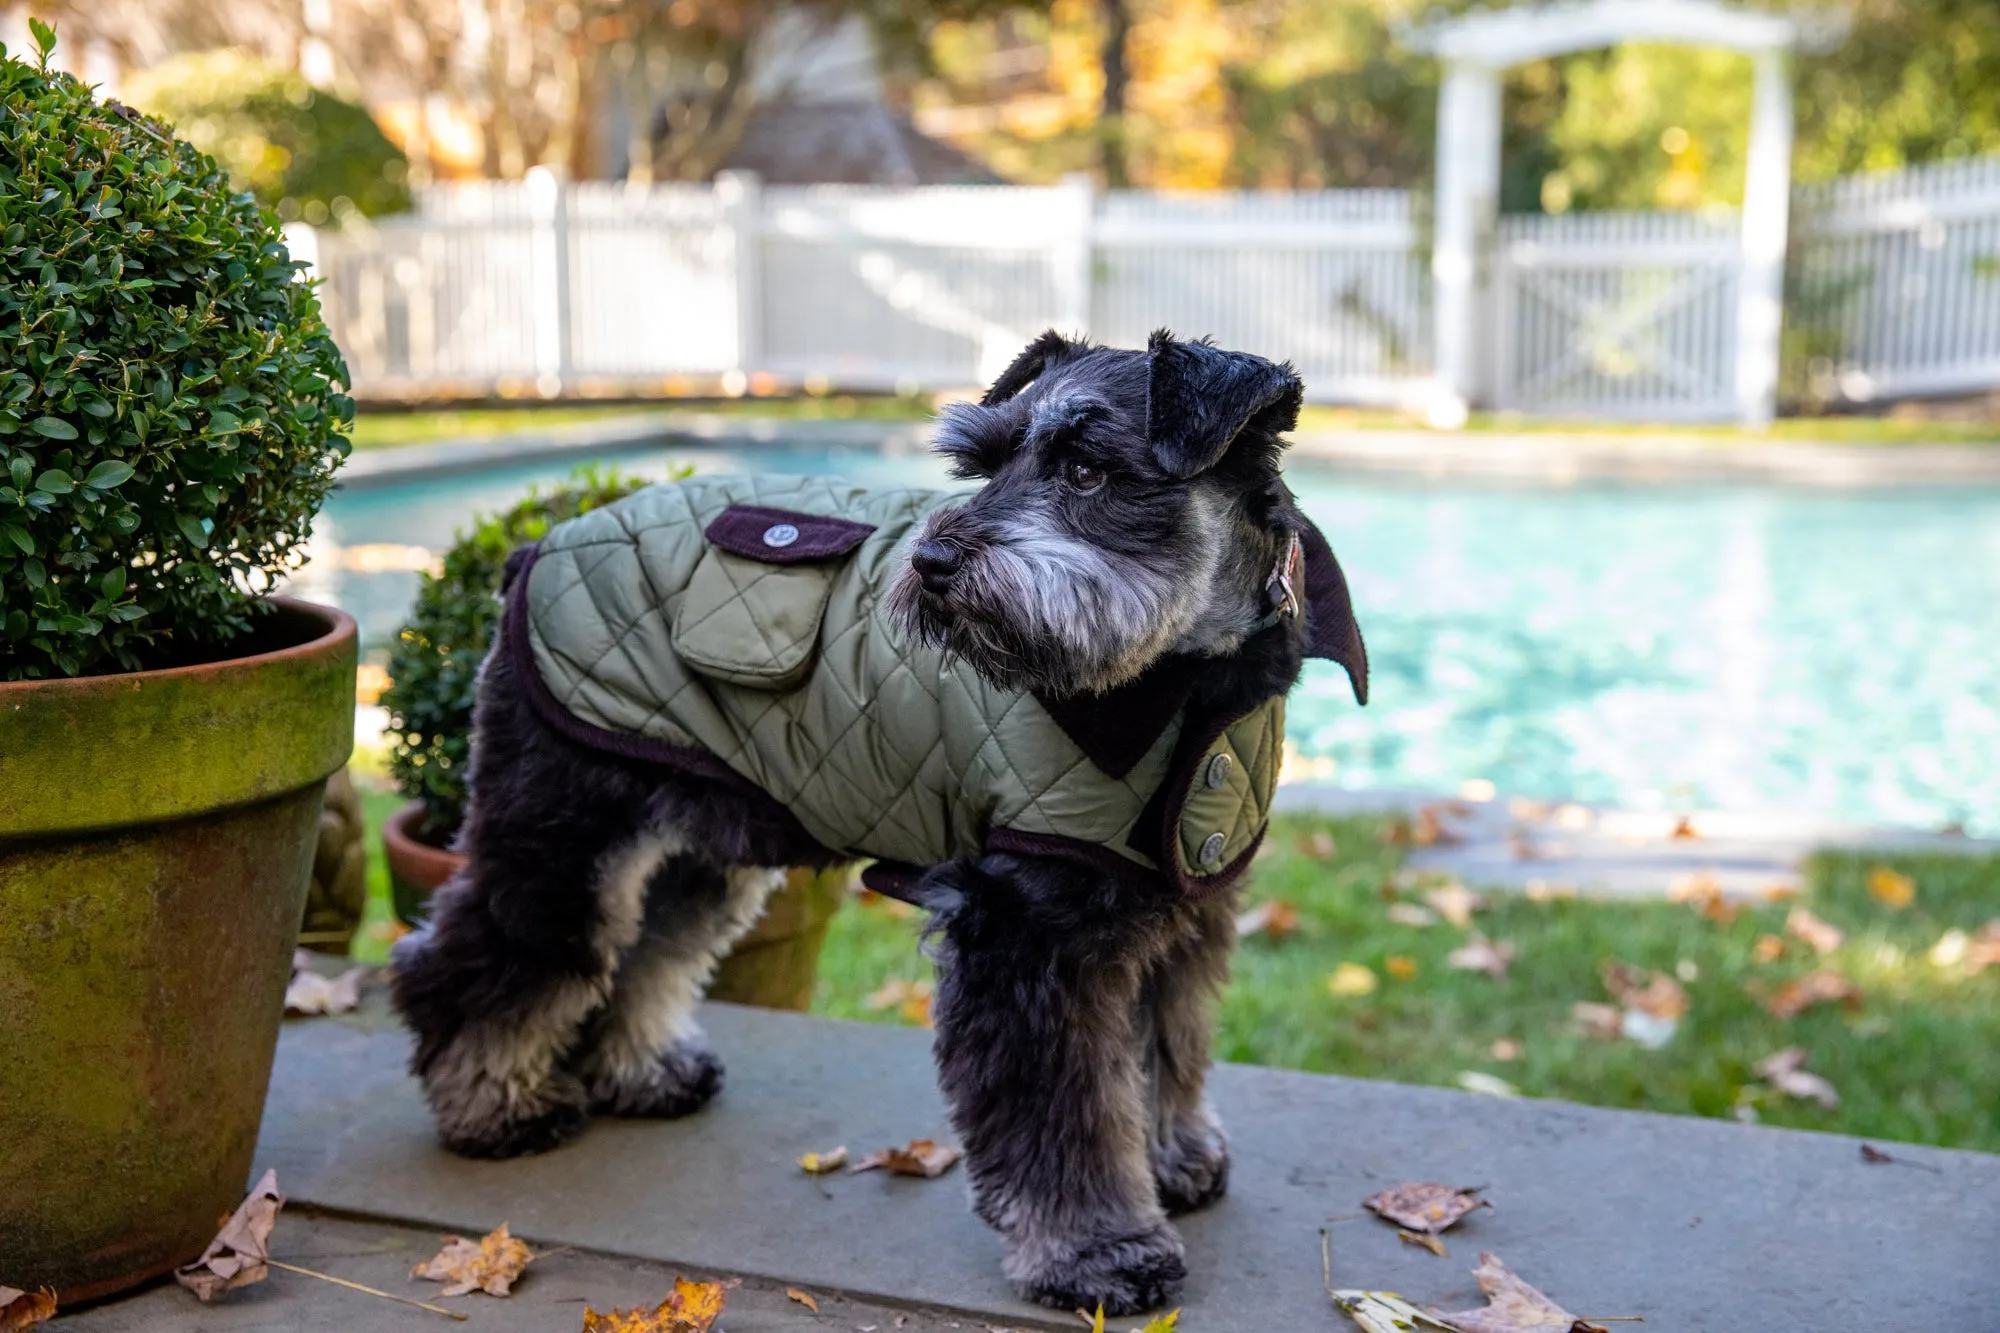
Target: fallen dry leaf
<point>1422,1206</point>
<point>803,1298</point>
<point>1162,1323</point>
<point>1384,1312</point>
<point>490,1264</point>
<point>1823,936</point>
<point>819,1163</point>
<point>1876,1157</point>
<point>1276,919</point>
<point>1822,987</point>
<point>1506,1048</point>
<point>1767,949</point>
<point>692,1308</point>
<point>1548,891</point>
<point>1606,1022</point>
<point>1654,994</point>
<point>19,1309</point>
<point>911,999</point>
<point>919,1157</point>
<point>1351,979</point>
<point>310,993</point>
<point>1951,948</point>
<point>1400,966</point>
<point>1703,891</point>
<point>1478,954</point>
<point>1892,890</point>
<point>1430,830</point>
<point>1411,914</point>
<point>1424,1240</point>
<point>1786,1072</point>
<point>1486,1085</point>
<point>1512,1306</point>
<point>1684,830</point>
<point>1455,903</point>
<point>1319,846</point>
<point>236,1257</point>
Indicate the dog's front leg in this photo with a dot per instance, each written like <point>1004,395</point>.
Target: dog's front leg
<point>1037,1014</point>
<point>1189,1149</point>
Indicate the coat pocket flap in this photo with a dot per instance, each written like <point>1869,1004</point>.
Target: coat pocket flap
<point>782,537</point>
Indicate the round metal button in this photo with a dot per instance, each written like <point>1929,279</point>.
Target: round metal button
<point>1211,852</point>
<point>1218,770</point>
<point>780,534</point>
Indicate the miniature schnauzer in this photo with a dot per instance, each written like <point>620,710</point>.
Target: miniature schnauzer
<point>1132,526</point>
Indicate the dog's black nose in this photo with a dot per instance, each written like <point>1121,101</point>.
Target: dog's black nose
<point>936,563</point>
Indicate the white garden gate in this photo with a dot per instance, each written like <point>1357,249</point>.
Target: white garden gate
<point>1629,315</point>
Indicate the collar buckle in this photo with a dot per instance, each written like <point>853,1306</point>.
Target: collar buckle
<point>1280,590</point>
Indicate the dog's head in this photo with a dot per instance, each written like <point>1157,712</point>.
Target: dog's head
<point>1132,508</point>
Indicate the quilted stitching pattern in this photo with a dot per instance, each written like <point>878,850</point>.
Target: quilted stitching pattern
<point>885,749</point>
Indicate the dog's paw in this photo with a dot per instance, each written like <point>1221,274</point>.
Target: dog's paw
<point>1191,1166</point>
<point>516,1136</point>
<point>1127,1274</point>
<point>679,1081</point>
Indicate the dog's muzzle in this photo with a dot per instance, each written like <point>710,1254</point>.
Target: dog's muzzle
<point>937,563</point>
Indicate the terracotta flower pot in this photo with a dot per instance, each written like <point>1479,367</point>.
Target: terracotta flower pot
<point>157,833</point>
<point>773,966</point>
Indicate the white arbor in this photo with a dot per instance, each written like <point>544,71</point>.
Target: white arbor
<point>1477,48</point>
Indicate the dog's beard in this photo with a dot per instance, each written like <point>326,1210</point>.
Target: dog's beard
<point>1058,621</point>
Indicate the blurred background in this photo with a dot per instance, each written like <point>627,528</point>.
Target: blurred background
<point>1652,354</point>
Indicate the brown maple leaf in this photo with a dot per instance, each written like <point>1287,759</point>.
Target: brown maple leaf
<point>1786,1072</point>
<point>1822,987</point>
<point>692,1307</point>
<point>1654,994</point>
<point>490,1264</point>
<point>1823,936</point>
<point>18,1308</point>
<point>911,999</point>
<point>1512,1306</point>
<point>919,1157</point>
<point>1274,919</point>
<point>237,1255</point>
<point>1425,1207</point>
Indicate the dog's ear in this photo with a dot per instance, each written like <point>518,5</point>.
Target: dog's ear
<point>1200,398</point>
<point>1036,357</point>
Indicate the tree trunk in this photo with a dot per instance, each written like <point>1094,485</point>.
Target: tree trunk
<point>1111,122</point>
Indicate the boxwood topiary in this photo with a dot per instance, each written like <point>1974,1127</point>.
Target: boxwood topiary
<point>171,406</point>
<point>434,666</point>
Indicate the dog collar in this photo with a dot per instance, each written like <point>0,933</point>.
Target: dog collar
<point>1281,593</point>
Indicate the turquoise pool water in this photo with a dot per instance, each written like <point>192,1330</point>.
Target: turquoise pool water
<point>1744,647</point>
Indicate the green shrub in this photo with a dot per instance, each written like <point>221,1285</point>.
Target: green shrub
<point>171,407</point>
<point>299,149</point>
<point>434,667</point>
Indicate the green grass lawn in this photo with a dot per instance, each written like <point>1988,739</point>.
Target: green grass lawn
<point>380,429</point>
<point>1914,1062</point>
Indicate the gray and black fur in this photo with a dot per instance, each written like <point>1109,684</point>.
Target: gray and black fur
<point>1131,514</point>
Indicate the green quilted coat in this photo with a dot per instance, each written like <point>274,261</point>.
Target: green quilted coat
<point>742,620</point>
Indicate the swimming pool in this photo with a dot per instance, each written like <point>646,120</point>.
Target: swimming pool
<point>1743,647</point>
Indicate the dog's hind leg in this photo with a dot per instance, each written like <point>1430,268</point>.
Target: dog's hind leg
<point>645,1055</point>
<point>1038,1048</point>
<point>1189,1150</point>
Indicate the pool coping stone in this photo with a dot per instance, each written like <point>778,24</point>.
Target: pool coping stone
<point>1692,1223</point>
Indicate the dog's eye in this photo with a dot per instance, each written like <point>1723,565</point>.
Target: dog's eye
<point>1082,477</point>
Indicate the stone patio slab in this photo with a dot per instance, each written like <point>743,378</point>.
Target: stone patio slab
<point>1694,1224</point>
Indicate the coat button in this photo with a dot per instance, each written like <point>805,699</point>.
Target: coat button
<point>1218,770</point>
<point>780,534</point>
<point>1211,852</point>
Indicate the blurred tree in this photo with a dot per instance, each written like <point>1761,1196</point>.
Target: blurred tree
<point>303,152</point>
<point>528,78</point>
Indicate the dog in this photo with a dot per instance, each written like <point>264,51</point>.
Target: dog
<point>1029,703</point>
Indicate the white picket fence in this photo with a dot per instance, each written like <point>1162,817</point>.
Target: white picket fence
<point>535,287</point>
<point>543,288</point>
<point>1896,279</point>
